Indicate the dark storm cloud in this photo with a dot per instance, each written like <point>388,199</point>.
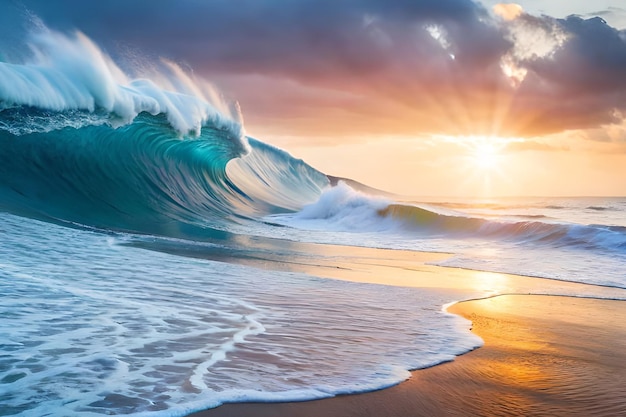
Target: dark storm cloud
<point>408,66</point>
<point>581,85</point>
<point>306,35</point>
<point>594,57</point>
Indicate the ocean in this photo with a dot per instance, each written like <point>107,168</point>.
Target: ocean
<point>155,260</point>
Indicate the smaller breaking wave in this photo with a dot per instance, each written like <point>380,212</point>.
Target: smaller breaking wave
<point>533,231</point>
<point>347,210</point>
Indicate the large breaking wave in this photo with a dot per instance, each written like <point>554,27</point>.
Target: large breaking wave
<point>82,142</point>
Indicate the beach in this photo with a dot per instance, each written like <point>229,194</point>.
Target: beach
<point>343,208</point>
<point>543,356</point>
<point>294,314</point>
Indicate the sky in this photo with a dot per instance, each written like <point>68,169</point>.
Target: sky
<point>418,97</point>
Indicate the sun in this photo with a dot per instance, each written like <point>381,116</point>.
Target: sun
<point>481,153</point>
<point>485,162</point>
<point>482,164</point>
<point>482,159</point>
<point>485,156</point>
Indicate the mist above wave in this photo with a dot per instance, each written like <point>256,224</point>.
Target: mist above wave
<point>70,73</point>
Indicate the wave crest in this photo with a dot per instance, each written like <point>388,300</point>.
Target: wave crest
<point>532,231</point>
<point>83,142</point>
<point>71,74</point>
<point>344,209</point>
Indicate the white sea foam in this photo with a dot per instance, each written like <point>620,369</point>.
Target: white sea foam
<point>344,209</point>
<point>71,73</point>
<point>94,327</point>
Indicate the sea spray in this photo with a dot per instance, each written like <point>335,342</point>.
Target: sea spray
<point>84,143</point>
<point>70,73</point>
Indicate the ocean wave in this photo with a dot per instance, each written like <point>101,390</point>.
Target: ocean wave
<point>83,143</point>
<point>347,210</point>
<point>143,177</point>
<point>602,208</point>
<point>529,231</point>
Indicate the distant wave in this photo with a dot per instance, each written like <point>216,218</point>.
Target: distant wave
<point>503,206</point>
<point>601,208</point>
<point>532,231</point>
<point>426,220</point>
<point>531,216</point>
<point>476,205</point>
<point>344,209</point>
<point>83,143</point>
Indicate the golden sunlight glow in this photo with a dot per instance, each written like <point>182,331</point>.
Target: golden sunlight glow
<point>485,156</point>
<point>483,153</point>
<point>483,163</point>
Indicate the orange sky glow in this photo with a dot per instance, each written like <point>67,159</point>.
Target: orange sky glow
<point>496,137</point>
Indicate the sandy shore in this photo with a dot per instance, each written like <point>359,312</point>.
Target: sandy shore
<point>543,356</point>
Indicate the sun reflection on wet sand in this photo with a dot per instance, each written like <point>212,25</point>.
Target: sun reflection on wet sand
<point>543,356</point>
<point>402,268</point>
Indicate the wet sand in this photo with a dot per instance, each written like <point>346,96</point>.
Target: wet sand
<point>402,268</point>
<point>543,356</point>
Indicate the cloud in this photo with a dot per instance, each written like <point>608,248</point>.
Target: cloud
<point>508,11</point>
<point>358,67</point>
<point>580,84</point>
<point>615,133</point>
<point>615,15</point>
